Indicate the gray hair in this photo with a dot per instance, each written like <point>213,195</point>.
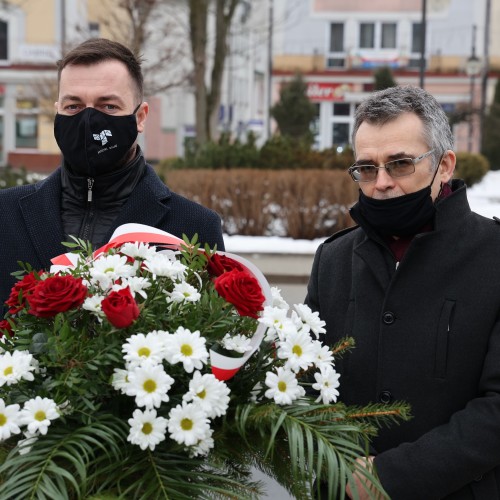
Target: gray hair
<point>388,104</point>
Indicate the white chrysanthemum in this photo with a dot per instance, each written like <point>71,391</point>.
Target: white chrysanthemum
<point>188,424</point>
<point>140,347</point>
<point>149,384</point>
<point>136,284</point>
<point>184,292</point>
<point>24,445</point>
<point>203,446</point>
<point>238,343</point>
<point>161,264</point>
<point>9,420</point>
<point>137,250</point>
<point>119,380</point>
<point>210,393</point>
<point>94,304</point>
<point>186,347</point>
<point>323,355</point>
<point>37,414</point>
<point>283,387</point>
<point>276,320</point>
<point>109,268</point>
<point>146,429</point>
<point>285,328</point>
<point>277,299</point>
<point>297,348</point>
<point>327,381</point>
<point>16,366</point>
<point>299,324</point>
<point>310,318</point>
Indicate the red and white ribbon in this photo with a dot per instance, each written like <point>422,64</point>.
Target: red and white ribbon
<point>223,367</point>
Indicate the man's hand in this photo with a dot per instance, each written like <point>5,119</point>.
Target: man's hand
<point>364,487</point>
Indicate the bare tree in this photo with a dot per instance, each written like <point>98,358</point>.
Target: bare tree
<point>154,30</point>
<point>208,97</point>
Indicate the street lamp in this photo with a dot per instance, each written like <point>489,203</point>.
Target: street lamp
<point>472,68</point>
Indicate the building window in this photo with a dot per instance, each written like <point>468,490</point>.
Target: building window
<point>340,134</point>
<point>416,37</point>
<point>4,32</point>
<point>341,109</point>
<point>388,40</point>
<point>26,131</point>
<point>337,37</point>
<point>367,36</point>
<point>94,30</point>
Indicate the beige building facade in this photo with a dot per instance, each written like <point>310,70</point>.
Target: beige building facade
<point>34,34</point>
<point>337,45</point>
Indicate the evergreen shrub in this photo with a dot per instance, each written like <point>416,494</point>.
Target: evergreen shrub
<point>471,167</point>
<point>278,153</point>
<point>10,177</point>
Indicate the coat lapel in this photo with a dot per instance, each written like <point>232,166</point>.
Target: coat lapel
<point>41,211</point>
<point>373,259</point>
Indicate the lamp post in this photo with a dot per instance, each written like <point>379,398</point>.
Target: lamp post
<point>423,30</point>
<point>472,68</point>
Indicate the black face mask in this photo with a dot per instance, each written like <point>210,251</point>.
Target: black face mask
<point>400,216</point>
<point>94,143</point>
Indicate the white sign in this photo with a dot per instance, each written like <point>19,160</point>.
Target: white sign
<point>39,53</point>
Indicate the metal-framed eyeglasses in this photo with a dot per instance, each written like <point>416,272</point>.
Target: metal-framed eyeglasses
<point>395,168</point>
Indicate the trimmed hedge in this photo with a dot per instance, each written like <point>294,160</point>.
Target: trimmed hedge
<point>305,204</point>
<point>279,152</point>
<point>471,167</point>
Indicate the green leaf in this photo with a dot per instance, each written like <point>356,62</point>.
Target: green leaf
<point>39,343</point>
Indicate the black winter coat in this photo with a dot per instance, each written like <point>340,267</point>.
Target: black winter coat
<point>32,231</point>
<point>427,332</point>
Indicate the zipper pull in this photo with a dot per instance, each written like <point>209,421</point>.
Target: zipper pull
<point>90,185</point>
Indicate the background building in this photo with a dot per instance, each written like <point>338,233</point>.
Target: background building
<point>335,44</point>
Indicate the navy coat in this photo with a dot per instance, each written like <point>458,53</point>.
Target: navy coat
<point>31,228</point>
<point>427,332</point>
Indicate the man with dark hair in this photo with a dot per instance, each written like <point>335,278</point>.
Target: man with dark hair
<point>417,285</point>
<point>104,180</point>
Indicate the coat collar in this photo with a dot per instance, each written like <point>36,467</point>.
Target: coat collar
<point>450,214</point>
<point>41,210</point>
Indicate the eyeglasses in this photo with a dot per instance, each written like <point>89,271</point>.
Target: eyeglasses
<point>395,168</point>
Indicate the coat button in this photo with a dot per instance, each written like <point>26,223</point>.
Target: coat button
<point>385,397</point>
<point>388,318</point>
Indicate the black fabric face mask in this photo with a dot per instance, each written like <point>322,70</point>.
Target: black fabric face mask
<point>400,216</point>
<point>94,143</point>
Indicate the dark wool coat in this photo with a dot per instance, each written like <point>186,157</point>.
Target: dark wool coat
<point>32,231</point>
<point>428,333</point>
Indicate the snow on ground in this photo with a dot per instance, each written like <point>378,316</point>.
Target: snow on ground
<point>484,198</point>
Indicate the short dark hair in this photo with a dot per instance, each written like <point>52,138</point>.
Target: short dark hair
<point>96,50</point>
<point>386,105</point>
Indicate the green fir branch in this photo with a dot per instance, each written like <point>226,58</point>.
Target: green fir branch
<point>58,464</point>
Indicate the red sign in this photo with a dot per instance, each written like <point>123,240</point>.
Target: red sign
<point>322,91</point>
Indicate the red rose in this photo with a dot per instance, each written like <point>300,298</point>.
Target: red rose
<point>242,290</point>
<point>218,264</point>
<point>5,327</point>
<point>20,291</point>
<point>120,308</point>
<point>56,294</point>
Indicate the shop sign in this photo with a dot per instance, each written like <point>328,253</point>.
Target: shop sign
<point>324,91</point>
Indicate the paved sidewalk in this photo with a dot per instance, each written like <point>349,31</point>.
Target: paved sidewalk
<point>288,272</point>
<point>282,268</point>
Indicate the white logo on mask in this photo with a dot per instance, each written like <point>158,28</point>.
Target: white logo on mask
<point>103,137</point>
